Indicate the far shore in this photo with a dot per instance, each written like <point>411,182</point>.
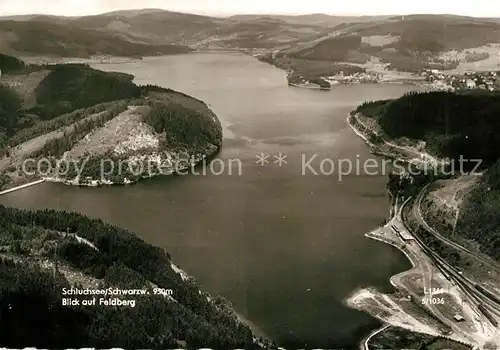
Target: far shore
<point>105,59</point>
<point>365,341</point>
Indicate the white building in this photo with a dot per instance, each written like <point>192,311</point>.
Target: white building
<point>470,83</point>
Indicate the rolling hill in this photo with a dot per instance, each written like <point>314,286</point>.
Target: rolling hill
<point>46,254</point>
<point>149,30</point>
<point>400,41</point>
<point>418,36</point>
<point>318,19</point>
<point>71,40</point>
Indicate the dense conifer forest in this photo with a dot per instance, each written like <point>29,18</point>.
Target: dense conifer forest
<point>10,63</point>
<point>451,124</point>
<point>183,126</point>
<point>479,219</point>
<point>67,88</point>
<point>31,311</point>
<point>73,86</point>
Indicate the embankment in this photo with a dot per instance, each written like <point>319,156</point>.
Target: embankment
<point>22,186</point>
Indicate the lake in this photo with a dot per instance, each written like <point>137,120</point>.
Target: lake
<point>284,245</point>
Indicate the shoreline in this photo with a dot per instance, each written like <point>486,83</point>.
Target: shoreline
<point>126,182</point>
<point>377,82</point>
<point>364,341</point>
<point>412,262</point>
<point>383,79</point>
<point>257,332</point>
<point>20,187</point>
<point>415,264</point>
<point>422,156</point>
<point>357,132</point>
<point>302,86</point>
<point>100,183</point>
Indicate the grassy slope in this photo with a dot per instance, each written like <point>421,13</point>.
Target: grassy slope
<point>451,124</point>
<point>435,33</point>
<point>64,89</point>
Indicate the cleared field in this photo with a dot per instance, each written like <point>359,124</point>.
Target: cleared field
<point>490,63</point>
<point>450,192</point>
<point>379,40</point>
<point>443,200</point>
<point>125,130</point>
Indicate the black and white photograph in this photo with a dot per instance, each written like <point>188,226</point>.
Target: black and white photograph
<point>255,175</point>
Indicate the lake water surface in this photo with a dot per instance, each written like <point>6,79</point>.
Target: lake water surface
<point>285,248</point>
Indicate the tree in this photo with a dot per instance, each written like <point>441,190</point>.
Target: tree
<point>10,106</point>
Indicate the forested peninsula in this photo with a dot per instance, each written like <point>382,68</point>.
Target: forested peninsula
<point>100,126</point>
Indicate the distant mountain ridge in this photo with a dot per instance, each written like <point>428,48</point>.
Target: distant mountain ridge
<point>71,40</point>
<point>318,19</point>
<point>152,28</point>
<point>407,40</point>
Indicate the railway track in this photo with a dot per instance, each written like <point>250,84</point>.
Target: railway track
<point>470,288</point>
